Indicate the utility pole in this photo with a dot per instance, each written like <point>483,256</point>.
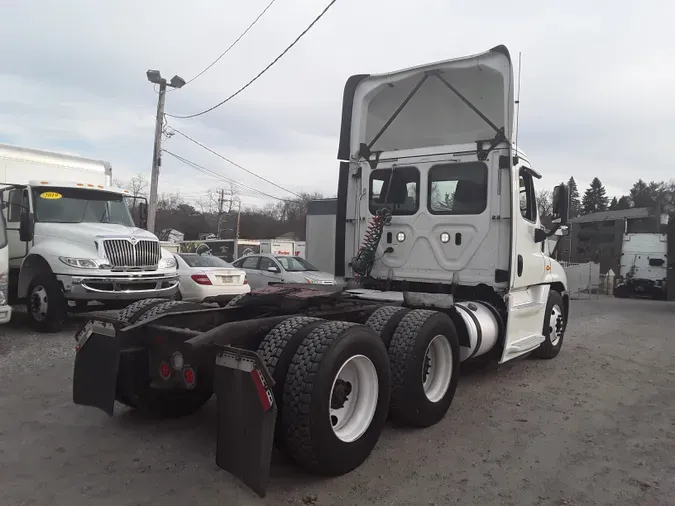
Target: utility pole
<point>155,77</point>
<point>221,202</point>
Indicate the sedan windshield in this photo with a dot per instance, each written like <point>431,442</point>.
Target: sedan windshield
<point>79,205</point>
<point>295,264</point>
<point>204,261</point>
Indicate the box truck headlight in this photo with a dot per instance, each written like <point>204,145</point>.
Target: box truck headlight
<point>167,263</point>
<point>85,263</point>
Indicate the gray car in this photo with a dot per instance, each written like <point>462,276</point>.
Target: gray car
<point>263,269</point>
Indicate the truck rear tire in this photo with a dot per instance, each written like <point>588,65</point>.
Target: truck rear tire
<point>133,311</point>
<point>424,357</point>
<point>554,327</point>
<point>277,351</point>
<point>385,320</point>
<point>133,382</point>
<point>46,305</point>
<point>336,398</point>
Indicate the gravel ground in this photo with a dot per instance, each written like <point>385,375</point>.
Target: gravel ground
<point>594,426</point>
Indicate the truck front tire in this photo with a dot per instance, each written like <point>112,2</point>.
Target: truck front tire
<point>554,327</point>
<point>46,305</point>
<point>336,398</point>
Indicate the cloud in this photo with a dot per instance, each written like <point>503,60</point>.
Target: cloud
<point>596,82</point>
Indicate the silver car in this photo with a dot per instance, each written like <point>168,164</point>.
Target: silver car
<point>263,269</point>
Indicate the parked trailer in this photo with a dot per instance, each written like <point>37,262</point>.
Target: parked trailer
<point>447,254</point>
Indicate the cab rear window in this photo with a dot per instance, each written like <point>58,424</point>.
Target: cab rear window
<point>400,192</point>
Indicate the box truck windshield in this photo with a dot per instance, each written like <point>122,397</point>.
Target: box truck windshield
<point>75,205</point>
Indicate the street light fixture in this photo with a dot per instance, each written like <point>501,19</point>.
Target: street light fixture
<point>155,77</point>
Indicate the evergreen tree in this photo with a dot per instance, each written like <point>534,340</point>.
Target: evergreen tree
<point>613,204</point>
<point>595,198</point>
<point>624,203</point>
<point>575,202</point>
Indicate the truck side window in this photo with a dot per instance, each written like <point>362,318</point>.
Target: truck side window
<point>528,201</point>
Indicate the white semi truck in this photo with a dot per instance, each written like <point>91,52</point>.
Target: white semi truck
<point>644,266</point>
<point>437,229</point>
<point>72,239</point>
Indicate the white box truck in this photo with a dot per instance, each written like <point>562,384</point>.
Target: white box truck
<point>5,308</point>
<point>72,238</point>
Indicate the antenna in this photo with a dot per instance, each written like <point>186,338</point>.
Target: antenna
<point>520,54</point>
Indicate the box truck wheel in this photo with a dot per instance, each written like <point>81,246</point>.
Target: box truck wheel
<point>554,327</point>
<point>277,351</point>
<point>46,306</point>
<point>336,398</point>
<point>424,357</point>
<point>133,383</point>
<point>385,320</point>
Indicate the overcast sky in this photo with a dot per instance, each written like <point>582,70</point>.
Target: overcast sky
<point>598,80</point>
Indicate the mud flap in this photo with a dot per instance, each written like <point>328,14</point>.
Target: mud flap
<point>96,362</point>
<point>247,414</point>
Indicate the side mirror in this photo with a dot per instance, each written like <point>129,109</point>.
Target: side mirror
<point>273,269</point>
<point>560,204</point>
<point>540,235</point>
<point>26,227</point>
<point>143,215</point>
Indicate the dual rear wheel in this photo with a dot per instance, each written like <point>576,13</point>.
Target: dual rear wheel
<point>336,382</point>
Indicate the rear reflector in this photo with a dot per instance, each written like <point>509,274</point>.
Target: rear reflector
<point>201,279</point>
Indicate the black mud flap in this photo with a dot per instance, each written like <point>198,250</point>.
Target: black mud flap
<point>96,363</point>
<point>247,413</point>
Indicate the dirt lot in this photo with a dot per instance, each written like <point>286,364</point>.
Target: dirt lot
<point>594,426</point>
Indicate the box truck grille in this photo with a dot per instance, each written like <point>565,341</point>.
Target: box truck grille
<point>122,253</point>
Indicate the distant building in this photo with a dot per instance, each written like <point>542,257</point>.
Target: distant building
<point>597,237</point>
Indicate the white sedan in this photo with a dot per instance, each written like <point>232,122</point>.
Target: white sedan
<point>205,278</point>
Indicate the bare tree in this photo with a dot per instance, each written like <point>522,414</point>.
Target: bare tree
<point>545,202</point>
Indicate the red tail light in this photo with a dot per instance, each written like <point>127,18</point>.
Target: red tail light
<point>164,370</point>
<point>201,279</point>
<point>189,377</point>
<point>245,280</point>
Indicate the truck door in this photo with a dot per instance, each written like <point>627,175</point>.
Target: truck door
<point>528,295</point>
<point>670,259</point>
<point>16,202</point>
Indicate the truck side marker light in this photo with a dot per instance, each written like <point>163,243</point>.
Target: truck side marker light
<point>548,267</point>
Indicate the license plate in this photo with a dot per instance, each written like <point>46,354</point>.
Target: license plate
<point>226,279</point>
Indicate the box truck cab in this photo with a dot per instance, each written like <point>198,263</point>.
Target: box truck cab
<point>5,308</point>
<point>73,241</point>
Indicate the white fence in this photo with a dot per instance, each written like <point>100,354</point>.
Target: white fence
<point>585,279</point>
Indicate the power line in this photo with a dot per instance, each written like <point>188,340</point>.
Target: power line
<point>231,45</point>
<point>233,163</point>
<point>212,173</point>
<point>302,34</point>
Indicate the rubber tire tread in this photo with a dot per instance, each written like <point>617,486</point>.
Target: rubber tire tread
<point>385,320</point>
<point>135,309</point>
<point>409,404</point>
<point>235,300</point>
<point>56,304</point>
<point>546,350</point>
<point>277,351</point>
<point>168,306</point>
<point>309,443</point>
